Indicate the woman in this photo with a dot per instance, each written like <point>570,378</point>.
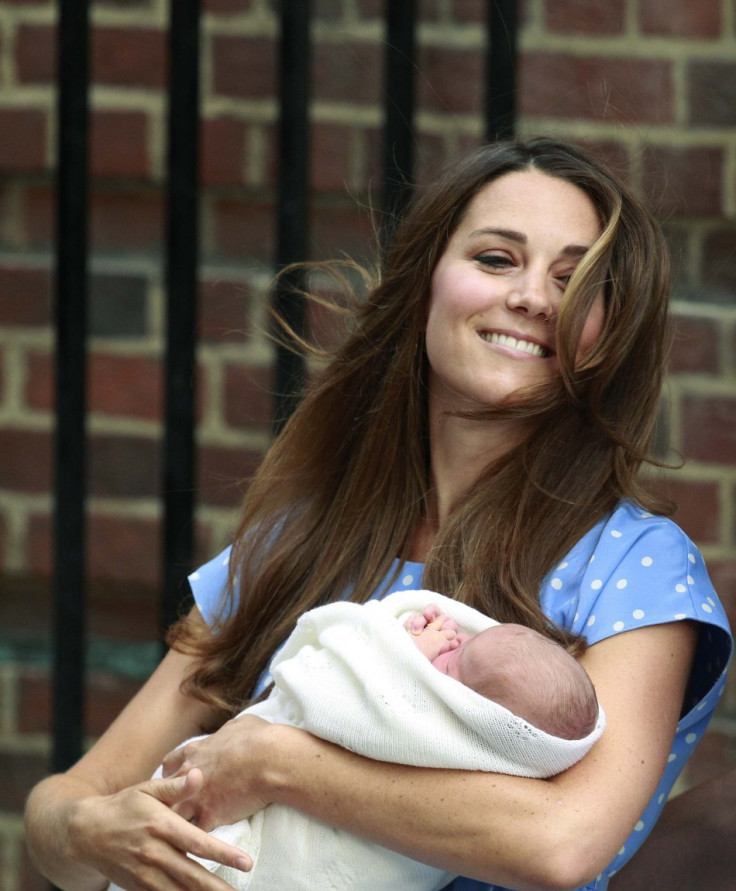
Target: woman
<point>482,427</point>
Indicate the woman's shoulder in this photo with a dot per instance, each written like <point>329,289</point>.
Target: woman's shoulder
<point>634,569</point>
<point>631,569</point>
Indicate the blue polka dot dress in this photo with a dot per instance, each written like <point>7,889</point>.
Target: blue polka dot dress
<point>631,570</point>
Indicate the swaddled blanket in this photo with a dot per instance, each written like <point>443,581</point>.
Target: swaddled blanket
<point>352,675</point>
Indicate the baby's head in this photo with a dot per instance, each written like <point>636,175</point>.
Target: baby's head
<point>531,676</point>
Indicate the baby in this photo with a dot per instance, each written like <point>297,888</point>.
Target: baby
<point>349,674</point>
<point>518,668</point>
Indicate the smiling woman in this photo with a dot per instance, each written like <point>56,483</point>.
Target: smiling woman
<point>497,289</point>
<point>478,433</point>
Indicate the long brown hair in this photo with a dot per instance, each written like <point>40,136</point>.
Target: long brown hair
<point>341,491</point>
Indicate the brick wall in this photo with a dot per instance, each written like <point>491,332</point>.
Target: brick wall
<point>652,86</point>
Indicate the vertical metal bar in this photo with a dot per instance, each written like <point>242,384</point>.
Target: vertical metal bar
<point>399,93</point>
<point>71,313</point>
<point>181,286</point>
<point>501,61</point>
<point>292,214</point>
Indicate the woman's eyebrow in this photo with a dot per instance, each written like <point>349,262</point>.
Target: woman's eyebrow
<point>570,250</point>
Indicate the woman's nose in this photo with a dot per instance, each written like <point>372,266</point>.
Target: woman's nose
<point>530,295</point>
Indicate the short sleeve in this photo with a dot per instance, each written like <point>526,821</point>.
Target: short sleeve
<point>634,570</point>
<point>209,585</point>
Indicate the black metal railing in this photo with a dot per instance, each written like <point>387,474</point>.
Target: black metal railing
<point>181,277</point>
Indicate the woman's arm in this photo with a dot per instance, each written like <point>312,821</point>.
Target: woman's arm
<point>506,830</point>
<point>105,819</point>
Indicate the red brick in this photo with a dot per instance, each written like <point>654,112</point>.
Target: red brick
<point>684,180</point>
<point>227,6</point>
<point>605,89</point>
<point>126,220</point>
<point>119,144</point>
<point>35,54</point>
<point>328,10</point>
<point>34,691</point>
<point>712,94</point>
<point>346,230</point>
<point>270,172</point>
<point>106,696</point>
<point>698,508</point>
<point>245,230</point>
<point>584,17</point>
<point>244,67</point>
<point>697,346</point>
<point>223,151</point>
<point>614,155</point>
<point>126,385</point>
<point>131,57</point>
<point>37,216</point>
<point>222,474</point>
<point>430,157</point>
<point>681,18</point>
<point>25,296</point>
<point>248,394</point>
<point>23,146</point>
<point>450,80</point>
<point>119,549</point>
<point>224,308</point>
<point>39,392</point>
<point>718,270</point>
<point>124,467</point>
<point>369,9</point>
<point>25,605</point>
<point>124,549</point>
<point>331,158</point>
<point>26,461</point>
<point>118,219</point>
<point>19,771</point>
<point>428,11</point>
<point>471,11</point>
<point>347,72</point>
<point>723,575</point>
<point>678,234</point>
<point>709,428</point>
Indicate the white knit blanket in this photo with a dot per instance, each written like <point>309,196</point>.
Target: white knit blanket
<point>351,674</point>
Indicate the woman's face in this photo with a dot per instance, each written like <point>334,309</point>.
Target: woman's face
<point>497,289</point>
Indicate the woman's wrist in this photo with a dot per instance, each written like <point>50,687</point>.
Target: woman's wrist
<point>64,821</point>
<point>283,755</point>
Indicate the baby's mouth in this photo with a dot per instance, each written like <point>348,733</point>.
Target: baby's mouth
<point>515,343</point>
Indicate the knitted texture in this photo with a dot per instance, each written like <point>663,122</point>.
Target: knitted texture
<point>351,674</point>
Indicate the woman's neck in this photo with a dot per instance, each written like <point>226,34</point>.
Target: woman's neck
<point>460,451</point>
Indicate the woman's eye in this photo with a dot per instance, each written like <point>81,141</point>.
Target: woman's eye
<point>563,279</point>
<point>494,261</point>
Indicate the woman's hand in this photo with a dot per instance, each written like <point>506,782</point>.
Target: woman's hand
<point>232,762</point>
<point>135,838</point>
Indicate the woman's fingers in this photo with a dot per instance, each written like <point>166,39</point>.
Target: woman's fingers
<point>136,839</point>
<point>175,762</point>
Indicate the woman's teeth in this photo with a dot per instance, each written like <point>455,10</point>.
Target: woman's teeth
<point>524,346</point>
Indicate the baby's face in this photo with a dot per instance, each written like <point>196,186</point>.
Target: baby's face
<point>466,661</point>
